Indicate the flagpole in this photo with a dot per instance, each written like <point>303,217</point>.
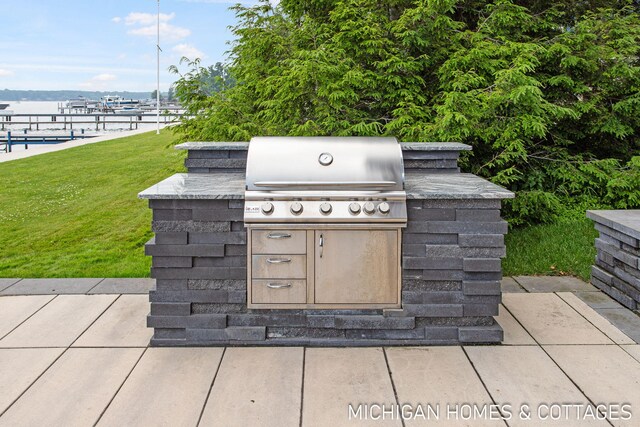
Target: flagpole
<point>158,76</point>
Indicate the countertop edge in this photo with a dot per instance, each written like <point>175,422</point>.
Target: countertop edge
<point>484,194</point>
<point>601,216</point>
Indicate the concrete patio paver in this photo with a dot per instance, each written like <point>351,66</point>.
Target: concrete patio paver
<point>518,375</point>
<point>550,320</point>
<point>15,310</point>
<point>441,377</point>
<point>124,286</point>
<point>74,391</point>
<point>625,320</point>
<point>19,368</point>
<point>604,382</point>
<point>262,384</point>
<point>337,377</point>
<point>5,283</point>
<point>122,325</point>
<point>51,286</point>
<point>514,333</point>
<point>633,350</point>
<point>596,320</point>
<point>168,387</point>
<point>60,322</point>
<point>553,284</point>
<point>598,300</point>
<point>507,284</point>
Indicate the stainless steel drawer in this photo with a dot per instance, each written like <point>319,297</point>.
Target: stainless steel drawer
<point>275,241</point>
<point>279,266</point>
<point>278,291</point>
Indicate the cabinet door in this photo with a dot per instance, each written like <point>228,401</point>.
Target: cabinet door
<point>356,267</point>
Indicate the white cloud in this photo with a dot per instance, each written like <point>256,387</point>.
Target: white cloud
<point>116,19</point>
<point>99,82</point>
<point>104,77</point>
<point>5,73</point>
<point>188,50</point>
<point>140,18</point>
<point>145,25</point>
<point>167,31</point>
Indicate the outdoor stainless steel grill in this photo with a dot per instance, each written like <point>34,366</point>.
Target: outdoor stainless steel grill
<point>324,216</point>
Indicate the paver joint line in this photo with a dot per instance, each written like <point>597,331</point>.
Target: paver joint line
<point>393,385</point>
<point>213,380</point>
<point>304,356</point>
<point>120,387</point>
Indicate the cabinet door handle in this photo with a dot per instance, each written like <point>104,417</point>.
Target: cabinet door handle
<point>278,235</point>
<point>278,285</point>
<point>278,260</point>
<point>321,244</point>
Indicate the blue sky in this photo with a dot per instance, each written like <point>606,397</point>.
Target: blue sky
<point>106,44</point>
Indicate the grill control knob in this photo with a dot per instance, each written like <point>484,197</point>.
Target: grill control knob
<point>267,208</point>
<point>325,208</point>
<point>384,208</point>
<point>354,208</point>
<point>369,208</point>
<point>296,208</point>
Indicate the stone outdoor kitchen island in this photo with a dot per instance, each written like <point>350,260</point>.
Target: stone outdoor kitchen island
<point>449,274</point>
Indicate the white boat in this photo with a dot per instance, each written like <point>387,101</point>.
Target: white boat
<point>114,101</point>
<point>3,106</point>
<point>127,110</point>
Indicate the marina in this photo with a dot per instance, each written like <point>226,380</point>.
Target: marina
<point>116,105</point>
<point>124,120</point>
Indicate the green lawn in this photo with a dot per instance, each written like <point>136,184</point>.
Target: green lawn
<point>74,213</point>
<point>562,248</point>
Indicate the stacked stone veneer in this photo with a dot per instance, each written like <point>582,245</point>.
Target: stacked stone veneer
<point>205,161</point>
<point>617,265</point>
<point>451,256</point>
<point>234,159</point>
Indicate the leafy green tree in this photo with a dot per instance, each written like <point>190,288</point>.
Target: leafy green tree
<point>546,92</point>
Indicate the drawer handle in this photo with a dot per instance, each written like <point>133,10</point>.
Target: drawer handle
<point>278,235</point>
<point>278,285</point>
<point>278,260</point>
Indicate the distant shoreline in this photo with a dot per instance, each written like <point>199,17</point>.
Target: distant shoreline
<point>10,95</point>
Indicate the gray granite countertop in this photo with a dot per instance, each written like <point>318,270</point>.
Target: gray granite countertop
<point>626,221</point>
<point>407,146</point>
<point>198,186</point>
<point>452,186</point>
<point>417,186</point>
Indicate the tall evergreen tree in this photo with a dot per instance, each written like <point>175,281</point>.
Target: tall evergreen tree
<point>543,90</point>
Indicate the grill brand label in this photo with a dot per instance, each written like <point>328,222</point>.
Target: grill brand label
<point>251,209</point>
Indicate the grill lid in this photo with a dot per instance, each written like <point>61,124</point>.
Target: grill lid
<point>324,163</point>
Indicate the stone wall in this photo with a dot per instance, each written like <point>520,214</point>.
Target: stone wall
<point>450,289</point>
<point>208,161</point>
<point>617,264</point>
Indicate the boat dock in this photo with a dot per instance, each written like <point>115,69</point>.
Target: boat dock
<point>96,108</point>
<point>93,120</point>
<point>8,141</point>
